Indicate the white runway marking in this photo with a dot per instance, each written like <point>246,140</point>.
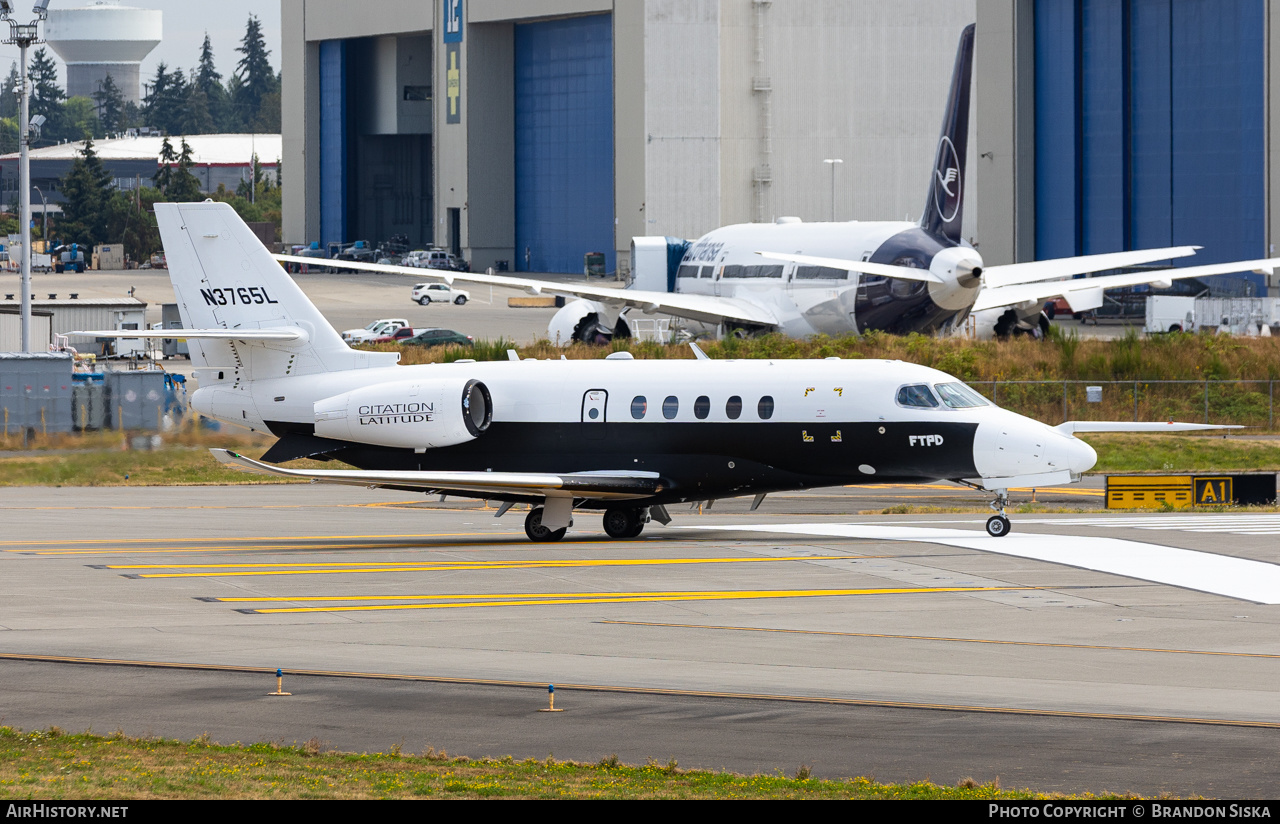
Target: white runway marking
<point>1259,524</point>
<point>1203,571</point>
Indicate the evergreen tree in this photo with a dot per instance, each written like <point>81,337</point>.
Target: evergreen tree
<point>196,117</point>
<point>9,92</point>
<point>185,186</point>
<point>166,98</point>
<point>110,102</point>
<point>209,81</point>
<point>47,97</point>
<point>87,188</point>
<point>257,80</point>
<point>163,177</point>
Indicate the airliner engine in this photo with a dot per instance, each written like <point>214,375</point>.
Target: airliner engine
<point>588,321</point>
<point>408,414</point>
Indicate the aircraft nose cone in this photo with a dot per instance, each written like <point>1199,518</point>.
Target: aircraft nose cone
<point>1080,456</point>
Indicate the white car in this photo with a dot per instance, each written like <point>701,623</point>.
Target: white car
<point>376,329</point>
<point>425,293</point>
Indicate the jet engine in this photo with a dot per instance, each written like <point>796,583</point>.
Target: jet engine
<point>588,322</point>
<point>414,414</point>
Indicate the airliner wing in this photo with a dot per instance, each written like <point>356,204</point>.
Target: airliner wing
<point>1083,294</point>
<point>618,486</point>
<point>704,308</point>
<point>292,333</point>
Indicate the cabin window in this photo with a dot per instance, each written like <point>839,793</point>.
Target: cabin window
<point>687,271</point>
<point>702,407</point>
<point>670,407</point>
<point>733,270</point>
<point>765,407</point>
<point>917,395</point>
<point>733,408</point>
<point>708,271</point>
<point>820,272</point>
<point>639,405</point>
<point>959,396</point>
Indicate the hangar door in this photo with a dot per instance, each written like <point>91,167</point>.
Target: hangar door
<point>564,143</point>
<point>1150,127</point>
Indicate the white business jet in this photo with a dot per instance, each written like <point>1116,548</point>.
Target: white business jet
<point>624,436</point>
<point>804,279</point>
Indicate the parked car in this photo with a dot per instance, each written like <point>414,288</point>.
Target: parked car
<point>425,293</point>
<point>376,329</point>
<point>398,335</point>
<point>438,337</point>
<point>436,259</point>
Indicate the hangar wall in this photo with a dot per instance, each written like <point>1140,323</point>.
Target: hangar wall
<point>722,111</point>
<point>1113,124</point>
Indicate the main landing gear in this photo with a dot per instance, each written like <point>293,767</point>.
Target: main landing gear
<point>998,524</point>
<point>537,532</point>
<point>624,523</point>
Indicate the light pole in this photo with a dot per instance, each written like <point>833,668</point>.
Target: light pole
<point>833,162</point>
<point>24,34</point>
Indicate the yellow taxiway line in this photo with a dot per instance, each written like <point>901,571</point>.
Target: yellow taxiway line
<point>566,598</point>
<point>255,570</point>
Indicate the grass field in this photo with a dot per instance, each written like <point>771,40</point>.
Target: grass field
<point>53,765</point>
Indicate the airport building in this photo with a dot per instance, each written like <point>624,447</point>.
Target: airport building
<point>532,133</point>
<point>218,160</point>
<point>528,134</point>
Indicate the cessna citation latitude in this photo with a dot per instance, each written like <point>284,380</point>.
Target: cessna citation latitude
<point>803,279</point>
<point>621,436</point>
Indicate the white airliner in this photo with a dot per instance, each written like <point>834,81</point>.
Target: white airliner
<point>804,279</point>
<point>620,435</point>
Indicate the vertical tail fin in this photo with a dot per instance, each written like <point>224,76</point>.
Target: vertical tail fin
<point>224,278</point>
<point>944,208</point>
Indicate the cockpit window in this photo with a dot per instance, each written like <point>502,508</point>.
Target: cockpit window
<point>959,396</point>
<point>917,395</point>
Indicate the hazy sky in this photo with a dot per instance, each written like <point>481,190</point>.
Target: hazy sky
<point>185,24</point>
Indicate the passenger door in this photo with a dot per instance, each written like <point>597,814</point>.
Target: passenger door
<point>594,407</point>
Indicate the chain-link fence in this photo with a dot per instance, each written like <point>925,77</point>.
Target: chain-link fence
<point>1248,403</point>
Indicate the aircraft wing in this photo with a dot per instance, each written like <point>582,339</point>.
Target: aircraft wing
<point>283,335</point>
<point>1071,427</point>
<point>1083,294</point>
<point>704,308</point>
<point>619,486</point>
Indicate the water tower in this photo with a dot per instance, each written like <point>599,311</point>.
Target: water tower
<point>103,38</point>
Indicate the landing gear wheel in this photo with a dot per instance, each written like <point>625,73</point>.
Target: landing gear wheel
<point>623,523</point>
<point>460,300</point>
<point>998,526</point>
<point>537,532</point>
<point>424,301</point>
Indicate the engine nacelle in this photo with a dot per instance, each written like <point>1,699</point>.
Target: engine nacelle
<point>587,321</point>
<point>414,414</point>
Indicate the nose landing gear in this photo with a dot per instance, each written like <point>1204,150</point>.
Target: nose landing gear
<point>998,524</point>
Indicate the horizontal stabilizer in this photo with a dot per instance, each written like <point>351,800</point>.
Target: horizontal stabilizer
<point>1015,273</point>
<point>288,334</point>
<point>1071,427</point>
<point>620,485</point>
